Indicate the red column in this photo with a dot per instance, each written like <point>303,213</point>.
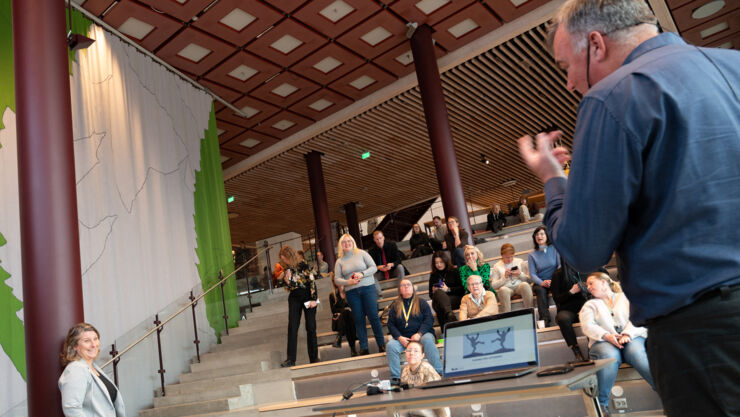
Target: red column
<point>320,207</point>
<point>350,211</point>
<point>440,136</point>
<point>52,286</point>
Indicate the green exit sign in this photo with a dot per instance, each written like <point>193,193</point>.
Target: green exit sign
<point>230,199</point>
<point>366,155</point>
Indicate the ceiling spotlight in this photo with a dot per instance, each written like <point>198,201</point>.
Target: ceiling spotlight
<point>484,160</point>
<point>75,41</point>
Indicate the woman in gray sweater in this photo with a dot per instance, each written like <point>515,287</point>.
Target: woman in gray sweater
<point>354,269</point>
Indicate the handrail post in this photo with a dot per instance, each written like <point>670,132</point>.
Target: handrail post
<point>249,291</point>
<point>195,326</point>
<point>161,370</point>
<point>223,301</point>
<point>269,269</point>
<point>113,353</point>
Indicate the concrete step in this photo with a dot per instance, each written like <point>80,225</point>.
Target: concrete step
<point>230,391</point>
<point>196,407</point>
<point>258,358</point>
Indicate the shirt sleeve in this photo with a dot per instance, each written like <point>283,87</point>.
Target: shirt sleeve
<point>392,317</point>
<point>339,274</point>
<point>533,271</point>
<point>588,212</point>
<point>369,263</point>
<point>428,323</point>
<point>497,276</point>
<point>73,385</point>
<point>463,314</point>
<point>491,306</point>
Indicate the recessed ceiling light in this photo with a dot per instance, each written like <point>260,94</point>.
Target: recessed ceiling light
<point>285,89</point>
<point>708,9</point>
<point>249,111</point>
<point>181,1</point>
<point>243,72</point>
<point>237,19</point>
<point>463,28</point>
<point>220,131</point>
<point>286,44</point>
<point>194,52</point>
<point>320,104</point>
<point>518,3</point>
<point>135,28</point>
<point>429,6</point>
<point>327,64</point>
<point>726,45</point>
<point>336,11</point>
<point>224,159</point>
<point>405,58</point>
<point>250,143</point>
<point>283,124</point>
<point>362,82</point>
<point>719,27</point>
<point>375,36</point>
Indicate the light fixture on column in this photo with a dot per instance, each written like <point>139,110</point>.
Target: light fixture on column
<point>484,160</point>
<point>75,41</point>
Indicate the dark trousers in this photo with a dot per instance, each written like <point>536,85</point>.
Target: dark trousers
<point>543,306</point>
<point>565,321</point>
<point>443,303</point>
<point>346,327</point>
<point>694,356</point>
<point>458,256</point>
<point>295,307</point>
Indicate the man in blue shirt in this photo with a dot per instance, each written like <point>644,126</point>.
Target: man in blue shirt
<point>656,178</point>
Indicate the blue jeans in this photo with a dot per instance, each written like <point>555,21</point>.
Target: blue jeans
<point>633,353</point>
<point>395,350</point>
<point>364,302</point>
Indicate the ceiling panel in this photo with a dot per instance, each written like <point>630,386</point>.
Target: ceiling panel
<point>376,35</point>
<point>227,131</point>
<point>335,17</point>
<point>243,71</point>
<point>209,49</point>
<point>328,63</point>
<point>285,89</point>
<point>465,26</point>
<point>699,12</point>
<point>97,7</point>
<point>363,81</point>
<point>254,110</point>
<point>429,12</point>
<point>283,124</point>
<point>509,10</point>
<point>286,43</point>
<point>250,142</point>
<point>320,104</point>
<point>226,19</point>
<point>222,91</point>
<point>182,10</point>
<point>161,26</point>
<point>714,30</point>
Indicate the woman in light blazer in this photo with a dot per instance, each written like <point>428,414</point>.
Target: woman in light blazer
<point>86,391</point>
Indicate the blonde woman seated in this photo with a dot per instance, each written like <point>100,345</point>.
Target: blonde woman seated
<point>605,320</point>
<point>510,276</point>
<point>479,303</point>
<point>418,372</point>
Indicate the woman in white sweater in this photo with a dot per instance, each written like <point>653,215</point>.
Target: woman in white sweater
<point>605,321</point>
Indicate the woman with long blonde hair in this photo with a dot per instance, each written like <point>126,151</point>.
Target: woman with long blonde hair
<point>605,320</point>
<point>354,270</point>
<point>410,319</point>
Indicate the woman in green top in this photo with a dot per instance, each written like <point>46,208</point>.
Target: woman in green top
<point>475,265</point>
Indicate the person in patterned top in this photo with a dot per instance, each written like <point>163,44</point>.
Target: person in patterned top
<point>419,372</point>
<point>299,281</point>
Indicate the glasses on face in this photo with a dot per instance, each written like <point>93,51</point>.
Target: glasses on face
<point>474,283</point>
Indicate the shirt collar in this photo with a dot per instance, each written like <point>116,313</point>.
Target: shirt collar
<point>661,40</point>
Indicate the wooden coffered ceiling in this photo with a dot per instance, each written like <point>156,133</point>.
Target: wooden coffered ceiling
<point>337,76</point>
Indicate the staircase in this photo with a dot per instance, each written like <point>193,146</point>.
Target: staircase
<point>397,224</point>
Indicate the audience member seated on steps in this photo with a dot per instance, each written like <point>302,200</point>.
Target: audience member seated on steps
<point>438,237</point>
<point>475,265</point>
<point>386,257</point>
<point>418,373</point>
<point>322,268</point>
<point>419,242</point>
<point>605,320</point>
<point>510,277</point>
<point>569,294</point>
<point>410,319</point>
<point>523,212</point>
<point>479,303</point>
<point>496,220</point>
<point>542,264</point>
<point>445,288</point>
<point>341,318</point>
<point>455,241</point>
<point>302,299</point>
<point>354,269</point>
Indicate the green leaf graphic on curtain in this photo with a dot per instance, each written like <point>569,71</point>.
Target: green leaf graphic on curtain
<point>212,231</point>
<point>12,339</point>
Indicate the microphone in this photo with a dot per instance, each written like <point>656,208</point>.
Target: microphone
<point>351,391</point>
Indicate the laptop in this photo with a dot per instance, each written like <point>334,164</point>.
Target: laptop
<point>489,348</point>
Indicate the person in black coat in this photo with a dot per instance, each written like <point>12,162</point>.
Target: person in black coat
<point>386,257</point>
<point>420,243</point>
<point>455,241</point>
<point>341,319</point>
<point>445,288</point>
<point>496,220</point>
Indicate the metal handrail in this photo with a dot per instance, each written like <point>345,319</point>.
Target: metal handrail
<point>185,307</point>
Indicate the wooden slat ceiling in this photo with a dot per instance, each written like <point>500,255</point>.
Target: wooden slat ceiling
<point>492,98</point>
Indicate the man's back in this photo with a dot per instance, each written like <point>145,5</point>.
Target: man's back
<point>656,175</point>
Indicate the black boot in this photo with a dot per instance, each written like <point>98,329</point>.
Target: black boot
<point>287,363</point>
<point>577,352</point>
<point>352,350</point>
<point>381,349</point>
<point>338,342</point>
<point>364,352</point>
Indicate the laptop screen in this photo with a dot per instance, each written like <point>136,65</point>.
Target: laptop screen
<point>494,343</point>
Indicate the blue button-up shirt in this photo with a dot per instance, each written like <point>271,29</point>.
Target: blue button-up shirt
<point>656,176</point>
